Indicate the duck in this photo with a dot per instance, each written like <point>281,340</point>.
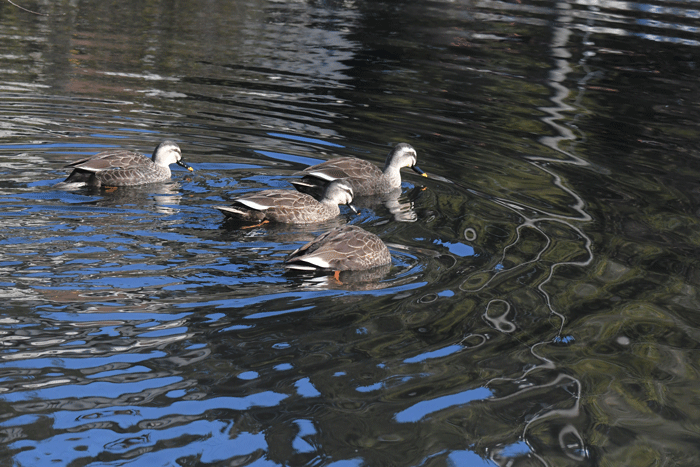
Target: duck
<point>365,178</point>
<point>345,248</point>
<point>122,167</point>
<point>289,206</point>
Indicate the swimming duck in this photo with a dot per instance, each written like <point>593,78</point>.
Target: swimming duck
<point>346,248</point>
<point>289,206</point>
<point>364,177</point>
<point>125,168</point>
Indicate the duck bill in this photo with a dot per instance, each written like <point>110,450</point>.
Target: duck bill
<point>182,164</point>
<point>417,170</point>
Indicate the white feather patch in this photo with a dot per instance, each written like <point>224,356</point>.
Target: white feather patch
<point>69,186</point>
<point>323,176</point>
<point>229,209</point>
<point>253,205</point>
<point>316,261</point>
<point>90,169</point>
<point>300,267</point>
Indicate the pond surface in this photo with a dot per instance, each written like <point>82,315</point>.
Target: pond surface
<point>542,308</point>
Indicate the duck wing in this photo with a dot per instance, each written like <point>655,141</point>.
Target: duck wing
<point>275,199</point>
<point>343,248</point>
<point>112,160</point>
<point>286,206</point>
<point>343,167</point>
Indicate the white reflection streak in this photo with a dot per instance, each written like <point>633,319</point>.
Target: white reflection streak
<point>141,343</point>
<point>532,223</point>
<point>500,322</point>
<point>643,7</point>
<point>54,382</point>
<point>557,76</point>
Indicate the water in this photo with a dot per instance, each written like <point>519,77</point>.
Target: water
<point>542,304</point>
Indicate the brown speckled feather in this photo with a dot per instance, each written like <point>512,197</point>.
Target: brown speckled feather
<point>364,177</point>
<point>358,173</point>
<point>344,248</point>
<point>111,160</point>
<point>289,206</point>
<point>119,167</point>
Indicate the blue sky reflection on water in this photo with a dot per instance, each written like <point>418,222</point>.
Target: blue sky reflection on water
<point>109,390</point>
<point>422,409</point>
<point>541,302</point>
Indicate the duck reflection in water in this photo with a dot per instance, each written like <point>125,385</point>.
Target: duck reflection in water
<point>399,205</point>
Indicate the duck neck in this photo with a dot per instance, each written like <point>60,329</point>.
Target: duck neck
<point>160,163</point>
<point>330,204</point>
<point>164,169</point>
<point>391,175</point>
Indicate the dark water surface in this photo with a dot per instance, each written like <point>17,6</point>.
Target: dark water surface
<point>543,304</point>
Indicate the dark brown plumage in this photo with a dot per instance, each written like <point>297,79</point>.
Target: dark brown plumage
<point>364,177</point>
<point>289,206</point>
<point>125,168</point>
<point>346,248</point>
